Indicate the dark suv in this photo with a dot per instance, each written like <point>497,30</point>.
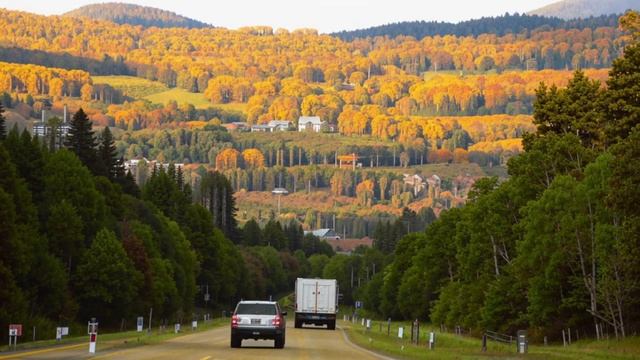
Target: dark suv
<point>258,320</point>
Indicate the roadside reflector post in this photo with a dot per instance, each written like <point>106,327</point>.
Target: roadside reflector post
<point>194,324</point>
<point>432,340</point>
<point>368,324</point>
<point>523,342</point>
<point>401,332</point>
<point>176,328</point>
<point>388,326</point>
<point>92,330</point>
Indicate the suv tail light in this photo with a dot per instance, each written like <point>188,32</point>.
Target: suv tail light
<point>234,321</point>
<point>277,321</point>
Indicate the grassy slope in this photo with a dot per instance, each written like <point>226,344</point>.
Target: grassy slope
<point>180,96</point>
<point>156,92</point>
<point>131,86</point>
<point>449,346</point>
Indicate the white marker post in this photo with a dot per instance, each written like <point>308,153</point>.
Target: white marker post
<point>92,329</point>
<point>140,324</point>
<point>401,332</point>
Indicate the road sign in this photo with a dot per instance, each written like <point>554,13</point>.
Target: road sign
<point>358,304</point>
<point>65,330</point>
<point>140,323</point>
<point>177,328</point>
<point>13,332</point>
<point>17,328</point>
<point>58,333</point>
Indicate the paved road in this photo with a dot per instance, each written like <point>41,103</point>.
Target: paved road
<point>306,343</point>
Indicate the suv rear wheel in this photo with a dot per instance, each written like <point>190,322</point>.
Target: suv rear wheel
<point>279,342</point>
<point>236,341</point>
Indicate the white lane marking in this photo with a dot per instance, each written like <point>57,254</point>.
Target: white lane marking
<point>372,353</point>
<point>206,358</point>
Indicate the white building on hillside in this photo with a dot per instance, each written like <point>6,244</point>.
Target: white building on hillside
<point>310,123</point>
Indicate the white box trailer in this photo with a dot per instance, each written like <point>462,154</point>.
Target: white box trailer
<point>316,302</point>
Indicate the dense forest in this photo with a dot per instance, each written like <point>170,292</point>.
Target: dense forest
<point>121,13</point>
<point>555,246</point>
<point>499,25</point>
<point>79,239</point>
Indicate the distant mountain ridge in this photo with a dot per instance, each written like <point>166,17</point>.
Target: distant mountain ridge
<point>572,9</point>
<point>499,25</point>
<point>122,13</point>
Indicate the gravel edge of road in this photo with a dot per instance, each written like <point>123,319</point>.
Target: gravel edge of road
<point>370,352</point>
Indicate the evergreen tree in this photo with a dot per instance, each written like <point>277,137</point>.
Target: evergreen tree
<point>216,195</point>
<point>252,234</point>
<point>574,110</point>
<point>81,140</point>
<point>108,156</point>
<point>3,126</point>
<point>622,103</point>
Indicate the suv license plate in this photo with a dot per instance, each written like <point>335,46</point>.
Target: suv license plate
<point>256,333</point>
<point>255,321</point>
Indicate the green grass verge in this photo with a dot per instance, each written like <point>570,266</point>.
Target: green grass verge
<point>123,339</point>
<point>450,346</point>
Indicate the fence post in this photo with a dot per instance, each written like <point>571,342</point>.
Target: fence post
<point>484,342</point>
<point>564,341</point>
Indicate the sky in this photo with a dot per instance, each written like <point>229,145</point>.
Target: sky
<point>324,15</point>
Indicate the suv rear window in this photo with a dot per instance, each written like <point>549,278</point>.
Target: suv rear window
<point>256,309</point>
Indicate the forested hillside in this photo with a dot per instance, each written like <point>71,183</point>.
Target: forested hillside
<point>313,74</point>
<point>79,239</point>
<point>132,14</point>
<point>572,9</point>
<point>499,25</point>
<point>553,247</point>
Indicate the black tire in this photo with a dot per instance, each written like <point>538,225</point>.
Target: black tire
<point>279,342</point>
<point>236,341</point>
<point>331,325</point>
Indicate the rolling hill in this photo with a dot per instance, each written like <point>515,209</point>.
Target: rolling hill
<point>571,9</point>
<point>499,25</point>
<point>146,16</point>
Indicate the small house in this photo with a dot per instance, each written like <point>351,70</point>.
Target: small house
<point>310,123</point>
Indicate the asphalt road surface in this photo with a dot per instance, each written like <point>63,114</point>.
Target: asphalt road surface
<point>306,343</point>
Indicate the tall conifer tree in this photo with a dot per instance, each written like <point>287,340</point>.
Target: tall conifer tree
<point>107,155</point>
<point>81,140</point>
